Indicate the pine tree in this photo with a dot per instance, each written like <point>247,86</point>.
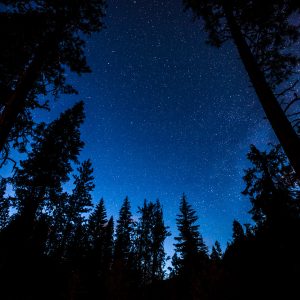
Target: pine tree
<point>270,185</point>
<point>79,203</point>
<point>262,34</point>
<point>124,231</point>
<point>144,242</point>
<point>56,41</point>
<point>190,243</point>
<point>159,234</point>
<point>38,185</point>
<point>238,232</point>
<point>216,253</point>
<point>96,227</point>
<point>40,177</point>
<point>151,234</point>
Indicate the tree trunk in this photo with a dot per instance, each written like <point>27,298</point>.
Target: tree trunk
<point>16,102</point>
<point>283,129</point>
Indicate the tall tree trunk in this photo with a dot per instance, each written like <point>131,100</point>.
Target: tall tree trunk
<point>283,129</point>
<point>16,102</point>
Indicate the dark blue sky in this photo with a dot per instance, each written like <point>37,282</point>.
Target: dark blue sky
<point>167,114</point>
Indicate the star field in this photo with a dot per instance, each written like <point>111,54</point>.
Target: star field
<point>167,114</point>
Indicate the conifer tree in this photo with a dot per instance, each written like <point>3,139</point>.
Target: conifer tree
<point>190,243</point>
<point>124,231</point>
<point>216,253</point>
<point>55,41</point>
<point>151,234</point>
<point>79,203</point>
<point>262,33</point>
<point>96,227</point>
<point>159,234</point>
<point>270,185</point>
<point>40,177</point>
<point>238,232</point>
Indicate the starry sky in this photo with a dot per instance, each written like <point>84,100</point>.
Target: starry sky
<point>166,114</point>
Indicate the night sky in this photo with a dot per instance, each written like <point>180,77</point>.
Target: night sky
<point>167,114</point>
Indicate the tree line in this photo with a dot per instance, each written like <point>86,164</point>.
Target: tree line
<point>56,244</point>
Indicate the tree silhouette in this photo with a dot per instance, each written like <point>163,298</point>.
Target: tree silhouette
<point>189,242</point>
<point>238,231</point>
<point>124,231</point>
<point>262,33</point>
<point>37,186</point>
<point>151,234</point>
<point>269,183</point>
<point>56,41</point>
<point>48,165</point>
<point>216,253</point>
<point>96,227</point>
<point>79,203</point>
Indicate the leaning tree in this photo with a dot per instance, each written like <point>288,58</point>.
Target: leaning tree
<point>262,32</point>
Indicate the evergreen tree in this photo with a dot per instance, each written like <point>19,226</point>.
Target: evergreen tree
<point>38,185</point>
<point>270,185</point>
<point>262,34</point>
<point>216,253</point>
<point>124,231</point>
<point>175,268</point>
<point>96,227</point>
<point>79,203</point>
<point>144,241</point>
<point>190,243</point>
<point>39,178</point>
<point>238,232</point>
<point>159,234</point>
<point>151,235</point>
<point>56,41</point>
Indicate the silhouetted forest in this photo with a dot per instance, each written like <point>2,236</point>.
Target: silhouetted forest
<point>57,244</point>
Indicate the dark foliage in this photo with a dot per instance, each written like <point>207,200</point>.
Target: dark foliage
<point>55,245</point>
<point>265,39</point>
<point>40,39</point>
<point>51,243</point>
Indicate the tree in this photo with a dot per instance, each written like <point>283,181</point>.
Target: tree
<point>55,41</point>
<point>216,253</point>
<point>124,231</point>
<point>238,231</point>
<point>151,234</point>
<point>100,235</point>
<point>40,177</point>
<point>96,227</point>
<point>190,243</point>
<point>37,187</point>
<point>159,234</point>
<point>270,185</point>
<point>262,34</point>
<point>79,203</point>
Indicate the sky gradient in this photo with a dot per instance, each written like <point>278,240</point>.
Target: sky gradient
<point>166,114</point>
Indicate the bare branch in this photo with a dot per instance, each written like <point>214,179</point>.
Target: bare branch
<point>290,88</point>
<point>293,114</point>
<point>296,98</point>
